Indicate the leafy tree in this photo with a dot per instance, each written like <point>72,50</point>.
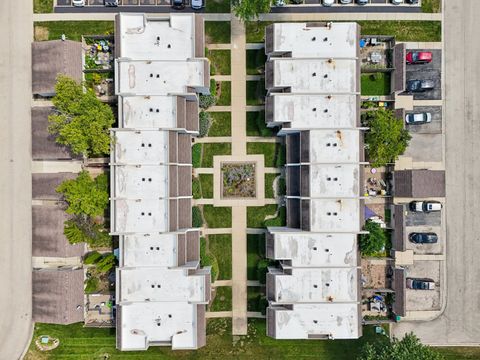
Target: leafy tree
<point>374,241</point>
<point>84,195</point>
<point>91,285</point>
<point>247,10</point>
<point>408,348</point>
<point>386,139</point>
<point>82,228</point>
<point>106,263</point>
<point>262,269</point>
<point>92,258</point>
<point>81,121</point>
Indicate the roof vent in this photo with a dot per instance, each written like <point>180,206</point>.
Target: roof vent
<point>325,76</point>
<point>325,110</point>
<point>314,74</point>
<point>314,38</point>
<point>325,39</point>
<point>314,109</point>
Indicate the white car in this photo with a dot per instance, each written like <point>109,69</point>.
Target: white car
<point>418,118</point>
<point>279,2</point>
<point>425,206</point>
<point>345,1</point>
<point>328,2</point>
<point>397,2</point>
<point>197,4</point>
<point>78,3</point>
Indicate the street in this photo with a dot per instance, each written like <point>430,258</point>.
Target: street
<point>15,180</point>
<point>460,322</point>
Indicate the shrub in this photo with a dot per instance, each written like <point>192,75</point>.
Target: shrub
<point>83,229</point>
<point>197,155</point>
<point>373,242</point>
<point>92,258</point>
<point>106,263</point>
<point>197,220</point>
<point>196,190</point>
<point>281,156</point>
<point>205,101</point>
<point>282,187</point>
<point>91,285</point>
<point>262,269</point>
<point>205,123</point>
<point>208,259</point>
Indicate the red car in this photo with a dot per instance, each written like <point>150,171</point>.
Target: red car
<point>419,57</point>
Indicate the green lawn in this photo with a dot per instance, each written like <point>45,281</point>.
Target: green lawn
<point>223,299</point>
<point>256,215</point>
<point>254,299</point>
<point>197,155</point>
<point>431,6</point>
<point>256,125</point>
<point>280,220</point>
<point>224,94</point>
<point>206,185</point>
<point>404,30</point>
<point>73,29</point>
<point>218,6</point>
<point>211,149</point>
<point>196,189</point>
<point>42,6</point>
<point>273,152</point>
<point>217,217</point>
<point>217,32</point>
<point>375,85</point>
<point>221,247</point>
<point>221,124</point>
<point>459,353</point>
<point>80,343</point>
<point>255,252</point>
<point>256,92</point>
<point>208,259</point>
<point>256,61</point>
<point>269,190</point>
<point>219,61</point>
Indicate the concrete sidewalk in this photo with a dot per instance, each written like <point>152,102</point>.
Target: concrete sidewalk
<point>239,271</point>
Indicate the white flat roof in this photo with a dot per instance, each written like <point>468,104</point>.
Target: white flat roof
<point>334,146</point>
<point>315,111</point>
<point>335,215</point>
<point>317,285</point>
<point>149,112</point>
<point>140,181</point>
<point>316,75</point>
<point>149,250</point>
<point>160,284</point>
<point>316,250</point>
<point>141,216</point>
<point>334,180</point>
<point>337,40</point>
<point>158,322</point>
<point>157,37</point>
<point>141,147</point>
<point>139,77</point>
<point>339,321</point>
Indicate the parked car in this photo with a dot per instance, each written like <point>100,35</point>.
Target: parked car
<point>279,2</point>
<point>362,2</point>
<point>418,118</point>
<point>397,2</point>
<point>328,2</point>
<point>110,3</point>
<point>412,2</point>
<point>425,206</point>
<point>419,57</point>
<point>345,1</point>
<point>197,4</point>
<point>419,85</point>
<point>178,4</point>
<point>420,284</point>
<point>423,238</point>
<point>78,3</point>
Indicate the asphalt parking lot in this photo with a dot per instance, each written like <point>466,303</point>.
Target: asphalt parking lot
<point>424,249</point>
<point>431,71</point>
<point>431,219</point>
<point>434,127</point>
<point>424,300</point>
<point>425,147</point>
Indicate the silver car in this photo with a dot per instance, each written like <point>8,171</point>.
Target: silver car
<point>418,118</point>
<point>345,1</point>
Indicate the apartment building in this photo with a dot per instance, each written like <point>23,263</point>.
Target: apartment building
<point>312,77</point>
<point>161,290</point>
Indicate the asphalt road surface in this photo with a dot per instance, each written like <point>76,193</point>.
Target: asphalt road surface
<point>15,178</point>
<point>460,322</point>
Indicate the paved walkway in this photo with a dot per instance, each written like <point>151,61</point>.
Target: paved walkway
<point>218,314</point>
<point>214,139</point>
<point>239,270</point>
<point>51,167</point>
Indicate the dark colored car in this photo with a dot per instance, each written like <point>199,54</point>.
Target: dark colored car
<point>420,284</point>
<point>110,3</point>
<point>423,238</point>
<point>411,2</point>
<point>178,4</point>
<point>419,85</point>
<point>419,57</point>
<point>362,2</point>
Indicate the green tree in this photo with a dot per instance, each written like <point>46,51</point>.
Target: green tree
<point>81,121</point>
<point>247,10</point>
<point>82,228</point>
<point>92,258</point>
<point>408,348</point>
<point>387,139</point>
<point>84,195</point>
<point>106,263</point>
<point>374,241</point>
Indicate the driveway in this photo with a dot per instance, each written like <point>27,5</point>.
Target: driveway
<point>424,300</point>
<point>460,322</point>
<point>424,249</point>
<point>423,219</point>
<point>16,28</point>
<point>434,127</point>
<point>425,147</point>
<point>431,71</point>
